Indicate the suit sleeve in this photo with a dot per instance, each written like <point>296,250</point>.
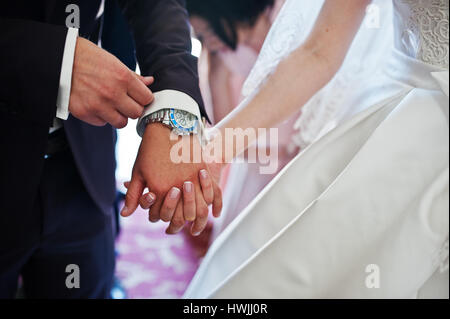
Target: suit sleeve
<point>30,63</point>
<point>161,33</point>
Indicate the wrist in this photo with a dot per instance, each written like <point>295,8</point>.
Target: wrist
<point>162,134</point>
<point>156,129</point>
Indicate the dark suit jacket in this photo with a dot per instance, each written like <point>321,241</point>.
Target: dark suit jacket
<point>32,38</point>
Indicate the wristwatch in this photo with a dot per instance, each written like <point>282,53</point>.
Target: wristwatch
<point>181,122</point>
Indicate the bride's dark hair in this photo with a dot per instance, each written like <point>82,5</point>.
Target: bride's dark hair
<point>225,15</point>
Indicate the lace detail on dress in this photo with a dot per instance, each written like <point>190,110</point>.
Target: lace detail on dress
<point>286,34</point>
<point>328,107</point>
<point>324,111</point>
<point>426,34</point>
<point>321,113</point>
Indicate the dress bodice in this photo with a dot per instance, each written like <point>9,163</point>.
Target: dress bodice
<point>422,30</point>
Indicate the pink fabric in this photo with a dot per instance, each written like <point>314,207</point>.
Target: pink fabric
<point>152,264</point>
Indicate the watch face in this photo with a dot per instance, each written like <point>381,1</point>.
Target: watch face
<point>183,120</point>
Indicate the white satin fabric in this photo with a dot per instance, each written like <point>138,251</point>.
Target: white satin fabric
<point>371,194</point>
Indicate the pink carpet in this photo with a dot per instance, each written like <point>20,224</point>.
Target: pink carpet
<point>152,264</point>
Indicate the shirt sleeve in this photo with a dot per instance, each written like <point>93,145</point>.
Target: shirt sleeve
<point>65,79</point>
<point>169,99</point>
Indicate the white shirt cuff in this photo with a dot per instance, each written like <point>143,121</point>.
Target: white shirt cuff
<point>65,79</point>
<point>169,99</point>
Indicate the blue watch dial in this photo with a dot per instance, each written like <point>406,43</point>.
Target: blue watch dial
<point>183,120</point>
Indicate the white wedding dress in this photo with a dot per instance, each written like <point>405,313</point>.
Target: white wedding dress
<point>362,212</point>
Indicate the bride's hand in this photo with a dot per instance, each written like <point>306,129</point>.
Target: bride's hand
<point>209,187</point>
<point>212,195</point>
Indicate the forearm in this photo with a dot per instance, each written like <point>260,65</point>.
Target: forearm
<point>298,77</point>
<point>282,95</point>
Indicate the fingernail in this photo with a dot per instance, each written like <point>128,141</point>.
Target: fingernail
<point>174,192</point>
<point>187,187</point>
<point>204,173</point>
<point>196,234</point>
<point>124,211</point>
<point>150,198</point>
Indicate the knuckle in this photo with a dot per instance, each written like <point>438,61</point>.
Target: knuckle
<point>160,189</point>
<point>91,104</point>
<point>209,192</point>
<point>148,98</point>
<point>170,204</point>
<point>206,183</point>
<point>108,93</point>
<point>129,197</point>
<point>209,200</point>
<point>166,209</point>
<point>202,212</point>
<point>165,217</point>
<point>120,122</point>
<point>124,122</point>
<point>82,113</point>
<point>123,75</point>
<point>178,222</point>
<point>164,214</point>
<point>100,123</point>
<point>189,199</point>
<point>136,113</point>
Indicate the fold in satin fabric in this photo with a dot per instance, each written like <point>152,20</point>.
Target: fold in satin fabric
<point>442,79</point>
<point>383,210</point>
<point>371,192</point>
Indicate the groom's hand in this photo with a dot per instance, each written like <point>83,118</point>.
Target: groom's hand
<point>177,186</point>
<point>103,89</point>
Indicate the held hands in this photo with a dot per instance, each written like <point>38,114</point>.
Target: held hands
<point>104,90</point>
<point>179,192</point>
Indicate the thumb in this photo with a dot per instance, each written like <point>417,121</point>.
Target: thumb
<point>134,192</point>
